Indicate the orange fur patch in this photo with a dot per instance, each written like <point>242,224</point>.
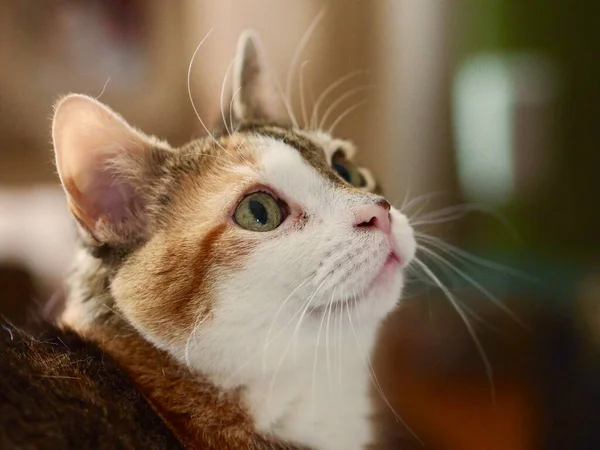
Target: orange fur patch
<point>200,415</point>
<point>168,286</point>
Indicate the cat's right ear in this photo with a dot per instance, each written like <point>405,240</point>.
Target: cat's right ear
<point>255,93</point>
<point>102,162</point>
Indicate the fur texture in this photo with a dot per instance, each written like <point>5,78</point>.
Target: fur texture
<point>59,391</point>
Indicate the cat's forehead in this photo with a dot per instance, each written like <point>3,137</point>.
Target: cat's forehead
<point>248,146</point>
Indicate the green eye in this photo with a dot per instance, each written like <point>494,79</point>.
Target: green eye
<point>258,212</point>
<point>347,170</point>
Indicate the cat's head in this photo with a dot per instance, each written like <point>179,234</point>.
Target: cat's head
<point>215,248</point>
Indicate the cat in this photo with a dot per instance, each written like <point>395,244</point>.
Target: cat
<point>239,280</point>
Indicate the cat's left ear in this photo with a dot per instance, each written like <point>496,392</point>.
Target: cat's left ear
<point>256,97</point>
<point>105,167</point>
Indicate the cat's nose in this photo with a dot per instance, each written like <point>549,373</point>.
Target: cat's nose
<point>374,215</point>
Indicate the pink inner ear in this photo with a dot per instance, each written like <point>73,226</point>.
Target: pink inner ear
<point>91,143</point>
<point>98,194</point>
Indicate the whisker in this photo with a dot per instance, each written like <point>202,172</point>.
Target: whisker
<point>344,114</point>
<point>448,272</point>
<point>468,208</point>
<point>469,327</point>
<point>327,359</point>
<point>231,108</point>
<point>316,357</point>
<point>301,89</point>
<point>421,198</point>
<point>342,98</point>
<point>199,321</point>
<point>189,88</point>
<point>103,89</point>
<point>339,348</point>
<point>267,340</point>
<point>458,253</point>
<point>304,309</point>
<point>476,284</point>
<point>223,94</point>
<point>298,52</point>
<point>369,366</point>
<point>286,102</point>
<point>314,117</point>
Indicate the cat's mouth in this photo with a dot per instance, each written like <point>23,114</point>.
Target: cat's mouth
<point>392,263</point>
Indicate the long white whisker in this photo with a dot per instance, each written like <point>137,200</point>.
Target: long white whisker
<point>304,309</point>
<point>473,207</point>
<point>229,131</point>
<point>189,87</point>
<point>314,117</point>
<point>267,340</point>
<point>316,357</point>
<point>476,284</point>
<point>199,321</point>
<point>469,327</point>
<point>231,108</point>
<point>405,200</point>
<point>342,98</point>
<point>458,253</point>
<point>367,362</point>
<point>301,89</point>
<point>327,360</point>
<point>448,272</point>
<point>299,49</point>
<point>286,103</point>
<point>344,114</point>
<point>295,334</point>
<point>103,89</point>
<point>421,198</point>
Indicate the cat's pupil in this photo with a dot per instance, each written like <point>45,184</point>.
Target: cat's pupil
<point>342,171</point>
<point>259,211</point>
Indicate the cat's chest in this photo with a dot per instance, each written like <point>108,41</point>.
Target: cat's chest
<point>330,410</point>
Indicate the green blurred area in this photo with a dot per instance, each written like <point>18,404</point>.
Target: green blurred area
<point>558,229</point>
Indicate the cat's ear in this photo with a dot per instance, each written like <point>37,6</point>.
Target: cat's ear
<point>255,93</point>
<point>102,162</point>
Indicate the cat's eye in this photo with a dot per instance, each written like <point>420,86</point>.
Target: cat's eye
<point>347,169</point>
<point>259,211</point>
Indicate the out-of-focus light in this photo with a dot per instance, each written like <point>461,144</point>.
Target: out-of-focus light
<point>501,125</point>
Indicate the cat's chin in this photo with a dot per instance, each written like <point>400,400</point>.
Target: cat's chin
<point>378,298</point>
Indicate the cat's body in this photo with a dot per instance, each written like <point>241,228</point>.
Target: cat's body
<point>239,280</point>
<point>58,390</point>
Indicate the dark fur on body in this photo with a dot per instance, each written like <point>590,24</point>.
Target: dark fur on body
<point>59,391</point>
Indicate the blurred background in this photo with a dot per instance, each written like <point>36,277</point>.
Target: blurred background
<point>478,116</point>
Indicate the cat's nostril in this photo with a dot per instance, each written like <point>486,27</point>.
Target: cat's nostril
<point>384,204</point>
<point>370,223</point>
<point>374,215</point>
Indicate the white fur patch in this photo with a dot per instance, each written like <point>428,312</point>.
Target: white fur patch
<point>297,324</point>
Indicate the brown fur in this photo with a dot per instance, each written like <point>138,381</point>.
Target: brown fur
<point>200,415</point>
<point>59,391</point>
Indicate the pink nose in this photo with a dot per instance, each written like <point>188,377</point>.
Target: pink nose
<point>374,215</point>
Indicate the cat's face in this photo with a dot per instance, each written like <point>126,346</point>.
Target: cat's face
<point>221,246</point>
